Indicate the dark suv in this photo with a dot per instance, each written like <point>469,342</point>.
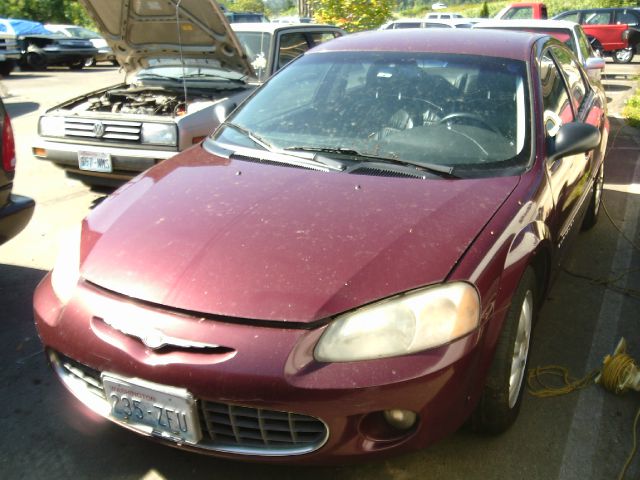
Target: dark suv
<point>15,210</point>
<point>610,16</point>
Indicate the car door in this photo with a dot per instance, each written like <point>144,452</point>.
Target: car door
<point>567,96</point>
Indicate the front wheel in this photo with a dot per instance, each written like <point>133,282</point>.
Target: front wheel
<point>624,55</point>
<point>591,217</point>
<point>502,395</point>
<point>76,65</point>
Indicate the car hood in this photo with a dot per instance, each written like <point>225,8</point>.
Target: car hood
<point>140,31</point>
<point>228,237</point>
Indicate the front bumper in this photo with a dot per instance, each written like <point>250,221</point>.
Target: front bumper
<point>126,162</point>
<point>261,369</point>
<point>64,56</point>
<point>14,216</point>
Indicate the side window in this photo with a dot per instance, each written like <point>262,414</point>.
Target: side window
<point>520,12</point>
<point>321,37</point>
<point>571,17</point>
<point>555,97</point>
<point>292,45</point>
<point>597,18</point>
<point>628,17</point>
<point>577,85</point>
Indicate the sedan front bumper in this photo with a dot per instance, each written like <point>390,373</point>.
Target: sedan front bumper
<point>253,380</point>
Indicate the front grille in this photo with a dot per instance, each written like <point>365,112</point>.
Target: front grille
<point>234,425</point>
<point>225,427</point>
<point>115,130</point>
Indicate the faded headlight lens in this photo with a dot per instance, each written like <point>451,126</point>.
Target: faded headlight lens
<point>50,126</point>
<point>404,324</point>
<point>66,272</point>
<point>159,133</point>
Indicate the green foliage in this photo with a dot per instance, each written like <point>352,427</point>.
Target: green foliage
<point>246,6</point>
<point>631,110</point>
<point>484,11</point>
<point>46,11</point>
<point>354,15</point>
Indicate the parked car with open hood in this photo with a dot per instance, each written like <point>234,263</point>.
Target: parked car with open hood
<point>180,84</point>
<point>351,265</point>
<point>104,52</point>
<point>41,48</point>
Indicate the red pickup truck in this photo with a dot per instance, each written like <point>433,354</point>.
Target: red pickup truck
<point>611,31</point>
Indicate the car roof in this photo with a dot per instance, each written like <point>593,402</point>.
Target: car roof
<point>272,27</point>
<point>527,23</point>
<point>492,43</point>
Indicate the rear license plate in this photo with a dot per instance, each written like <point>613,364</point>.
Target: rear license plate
<point>95,161</point>
<point>160,410</point>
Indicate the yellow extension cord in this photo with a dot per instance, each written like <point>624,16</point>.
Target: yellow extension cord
<point>616,369</point>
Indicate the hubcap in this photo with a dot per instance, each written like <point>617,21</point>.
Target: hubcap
<point>624,55</point>
<point>520,348</point>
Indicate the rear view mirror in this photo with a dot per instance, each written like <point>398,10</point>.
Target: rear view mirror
<point>572,138</point>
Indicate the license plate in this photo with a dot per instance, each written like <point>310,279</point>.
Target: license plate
<point>160,410</point>
<point>95,161</point>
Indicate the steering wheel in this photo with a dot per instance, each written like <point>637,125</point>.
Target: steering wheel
<point>472,117</point>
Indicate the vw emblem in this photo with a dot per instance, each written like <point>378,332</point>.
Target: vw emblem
<point>98,129</point>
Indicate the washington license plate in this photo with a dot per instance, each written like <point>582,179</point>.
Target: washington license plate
<point>94,161</point>
<point>154,409</point>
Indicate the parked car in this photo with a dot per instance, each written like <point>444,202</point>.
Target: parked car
<point>614,30</point>
<point>428,23</point>
<point>104,52</point>
<point>568,32</point>
<point>9,51</point>
<point>41,48</point>
<point>351,265</point>
<point>522,11</point>
<point>443,15</point>
<point>108,136</point>
<point>15,210</point>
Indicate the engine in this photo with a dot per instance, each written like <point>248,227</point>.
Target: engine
<point>142,101</point>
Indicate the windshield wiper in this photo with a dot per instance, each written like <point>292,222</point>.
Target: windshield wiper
<point>442,170</point>
<point>278,155</point>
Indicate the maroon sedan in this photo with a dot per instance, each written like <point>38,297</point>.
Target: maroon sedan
<point>351,265</point>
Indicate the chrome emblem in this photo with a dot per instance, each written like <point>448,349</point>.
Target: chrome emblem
<point>98,129</point>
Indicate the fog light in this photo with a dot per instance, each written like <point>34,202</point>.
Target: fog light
<point>400,419</point>
<point>39,152</point>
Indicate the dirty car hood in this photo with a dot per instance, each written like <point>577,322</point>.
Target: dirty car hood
<point>141,30</point>
<point>227,237</point>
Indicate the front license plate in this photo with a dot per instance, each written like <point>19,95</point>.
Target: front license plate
<point>160,410</point>
<point>95,161</point>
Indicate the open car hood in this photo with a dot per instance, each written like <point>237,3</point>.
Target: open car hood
<point>141,30</point>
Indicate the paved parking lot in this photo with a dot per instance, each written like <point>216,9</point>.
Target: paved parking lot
<point>584,435</point>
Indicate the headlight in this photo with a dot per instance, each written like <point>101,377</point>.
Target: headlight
<point>66,271</point>
<point>401,325</point>
<point>50,126</point>
<point>159,133</point>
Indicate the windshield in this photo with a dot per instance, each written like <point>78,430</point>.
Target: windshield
<point>80,32</point>
<point>467,112</point>
<point>200,74</point>
<point>257,46</point>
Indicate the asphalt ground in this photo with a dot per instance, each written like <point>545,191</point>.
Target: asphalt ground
<point>583,435</point>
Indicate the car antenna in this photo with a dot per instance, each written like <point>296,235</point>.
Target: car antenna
<point>184,80</point>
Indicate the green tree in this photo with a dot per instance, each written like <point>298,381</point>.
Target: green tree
<point>247,6</point>
<point>354,15</point>
<point>484,11</point>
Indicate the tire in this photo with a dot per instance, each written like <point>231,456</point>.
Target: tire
<point>502,395</point>
<point>76,65</point>
<point>6,68</point>
<point>624,56</point>
<point>90,62</point>
<point>115,63</point>
<point>591,217</point>
<point>36,61</point>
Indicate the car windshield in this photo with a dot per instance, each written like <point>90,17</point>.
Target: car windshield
<point>466,112</point>
<point>257,46</point>
<point>193,74</point>
<point>80,32</point>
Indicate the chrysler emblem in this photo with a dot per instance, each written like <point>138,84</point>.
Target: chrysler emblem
<point>98,129</point>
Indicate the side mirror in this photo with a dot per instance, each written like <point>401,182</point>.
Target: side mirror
<point>572,138</point>
<point>594,63</point>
